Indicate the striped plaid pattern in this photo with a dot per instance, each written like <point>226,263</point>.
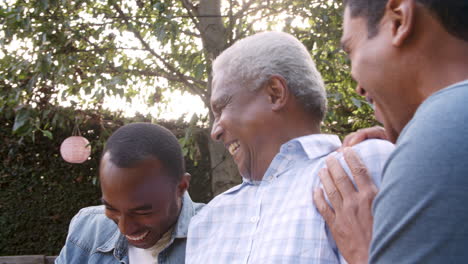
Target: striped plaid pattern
<point>275,221</point>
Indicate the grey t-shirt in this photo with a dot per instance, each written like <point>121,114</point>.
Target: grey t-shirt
<point>421,211</point>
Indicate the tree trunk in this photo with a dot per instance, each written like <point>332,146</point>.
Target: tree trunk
<point>224,173</point>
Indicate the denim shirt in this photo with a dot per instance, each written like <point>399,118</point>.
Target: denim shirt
<point>94,238</point>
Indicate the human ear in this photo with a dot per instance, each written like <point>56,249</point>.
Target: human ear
<point>278,92</point>
<point>402,16</point>
<point>184,184</point>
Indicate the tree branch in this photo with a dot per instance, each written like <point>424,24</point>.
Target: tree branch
<point>245,7</point>
<point>192,11</point>
<point>180,76</point>
<point>153,73</point>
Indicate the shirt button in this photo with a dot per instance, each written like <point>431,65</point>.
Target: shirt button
<point>253,219</point>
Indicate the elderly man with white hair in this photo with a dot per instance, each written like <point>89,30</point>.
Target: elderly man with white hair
<point>268,101</point>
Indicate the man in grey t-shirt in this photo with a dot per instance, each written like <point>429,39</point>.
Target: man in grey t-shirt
<point>409,58</point>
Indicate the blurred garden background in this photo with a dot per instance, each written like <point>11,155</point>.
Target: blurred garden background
<point>97,65</point>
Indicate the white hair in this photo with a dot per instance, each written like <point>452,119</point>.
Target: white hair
<point>252,61</point>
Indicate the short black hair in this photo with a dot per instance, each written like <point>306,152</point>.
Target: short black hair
<point>135,142</point>
<point>452,14</point>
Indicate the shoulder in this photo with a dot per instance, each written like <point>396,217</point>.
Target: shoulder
<point>437,131</point>
<point>225,196</point>
<point>90,228</point>
<point>374,146</point>
<point>222,200</point>
<point>89,216</point>
<point>448,98</point>
<point>374,150</point>
<point>443,112</point>
<point>374,153</point>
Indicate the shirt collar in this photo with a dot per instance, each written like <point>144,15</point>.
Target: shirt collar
<point>120,243</point>
<point>186,213</point>
<point>311,146</point>
<point>317,145</point>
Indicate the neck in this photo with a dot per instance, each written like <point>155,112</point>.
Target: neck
<point>287,129</point>
<point>443,57</point>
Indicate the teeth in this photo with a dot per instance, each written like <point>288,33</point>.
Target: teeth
<point>135,238</point>
<point>233,147</point>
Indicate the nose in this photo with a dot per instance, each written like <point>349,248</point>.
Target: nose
<point>126,225</point>
<point>216,131</point>
<point>361,91</point>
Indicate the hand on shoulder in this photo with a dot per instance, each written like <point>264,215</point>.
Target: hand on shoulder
<point>376,132</point>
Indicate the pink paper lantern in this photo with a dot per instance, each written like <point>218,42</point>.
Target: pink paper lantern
<point>75,149</point>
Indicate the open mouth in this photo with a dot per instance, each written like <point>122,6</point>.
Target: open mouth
<point>233,147</point>
<point>137,238</point>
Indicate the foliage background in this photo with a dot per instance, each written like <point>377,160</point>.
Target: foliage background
<point>72,50</point>
<point>40,192</point>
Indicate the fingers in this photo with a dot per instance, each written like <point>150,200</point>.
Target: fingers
<point>341,180</point>
<point>353,138</point>
<point>363,134</point>
<point>322,206</point>
<point>358,170</point>
<point>333,194</point>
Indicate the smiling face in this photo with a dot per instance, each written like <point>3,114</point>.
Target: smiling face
<point>383,74</point>
<point>242,122</point>
<point>143,200</point>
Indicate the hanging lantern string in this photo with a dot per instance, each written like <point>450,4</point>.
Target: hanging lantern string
<point>76,129</point>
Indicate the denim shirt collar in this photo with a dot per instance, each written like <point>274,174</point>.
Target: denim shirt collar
<point>119,243</point>
<point>186,213</point>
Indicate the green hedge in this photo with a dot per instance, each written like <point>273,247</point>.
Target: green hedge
<point>40,192</point>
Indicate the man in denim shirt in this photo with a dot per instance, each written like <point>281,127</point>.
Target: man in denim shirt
<point>146,209</point>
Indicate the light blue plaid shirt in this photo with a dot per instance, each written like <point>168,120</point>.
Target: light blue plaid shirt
<point>275,220</point>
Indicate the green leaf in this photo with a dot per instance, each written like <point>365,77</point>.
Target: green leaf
<point>22,119</point>
<point>47,133</point>
<point>44,4</point>
<point>199,70</point>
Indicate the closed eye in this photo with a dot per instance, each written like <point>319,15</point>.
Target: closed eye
<point>142,213</point>
<point>108,206</point>
<point>220,103</point>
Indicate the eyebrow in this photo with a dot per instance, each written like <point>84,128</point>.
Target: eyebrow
<point>145,207</point>
<point>220,102</point>
<point>104,202</point>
